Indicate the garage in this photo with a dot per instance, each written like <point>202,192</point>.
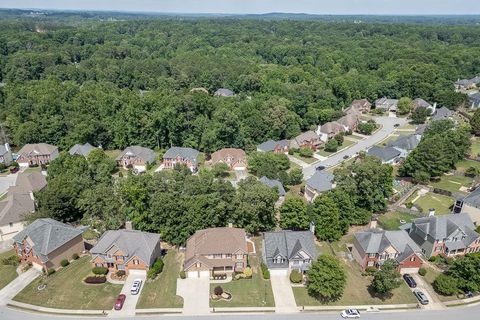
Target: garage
<point>198,274</point>
<point>409,270</point>
<point>278,272</point>
<point>37,266</point>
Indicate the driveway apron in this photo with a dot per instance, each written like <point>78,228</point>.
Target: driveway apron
<point>434,302</point>
<point>17,285</point>
<point>195,293</point>
<point>283,294</point>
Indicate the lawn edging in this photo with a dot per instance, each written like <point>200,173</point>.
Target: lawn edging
<point>371,308</point>
<point>31,307</point>
<point>462,302</point>
<point>241,309</point>
<point>153,311</point>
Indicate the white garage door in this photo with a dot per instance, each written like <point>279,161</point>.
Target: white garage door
<point>204,274</point>
<point>409,270</point>
<point>37,266</point>
<point>278,272</point>
<point>192,274</point>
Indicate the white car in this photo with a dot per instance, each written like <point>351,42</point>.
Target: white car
<point>137,283</point>
<point>350,313</point>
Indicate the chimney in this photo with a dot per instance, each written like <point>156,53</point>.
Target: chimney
<point>373,224</point>
<point>230,225</point>
<point>312,227</point>
<point>128,225</point>
<point>434,108</point>
<point>7,146</point>
<point>431,212</point>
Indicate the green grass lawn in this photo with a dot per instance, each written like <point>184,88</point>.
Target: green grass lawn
<point>453,183</point>
<point>33,169</point>
<point>356,291</point>
<point>391,220</point>
<point>112,154</point>
<point>431,275</point>
<point>439,202</point>
<point>248,292</point>
<point>66,290</point>
<point>345,144</point>
<point>408,126</point>
<point>304,159</point>
<point>475,150</point>
<point>161,292</point>
<point>7,273</point>
<point>467,163</point>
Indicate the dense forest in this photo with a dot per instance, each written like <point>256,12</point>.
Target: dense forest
<point>118,83</point>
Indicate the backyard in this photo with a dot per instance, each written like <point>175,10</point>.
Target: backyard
<point>453,183</point>
<point>161,292</point>
<point>475,150</point>
<point>391,220</point>
<point>65,289</point>
<point>248,292</point>
<point>442,204</point>
<point>7,272</point>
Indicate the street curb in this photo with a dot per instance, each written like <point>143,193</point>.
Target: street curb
<point>65,312</point>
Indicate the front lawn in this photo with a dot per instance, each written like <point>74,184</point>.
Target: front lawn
<point>442,204</point>
<point>161,292</point>
<point>391,220</point>
<point>475,147</point>
<point>66,290</point>
<point>453,183</point>
<point>356,291</point>
<point>308,160</point>
<point>346,143</point>
<point>7,272</point>
<point>248,292</point>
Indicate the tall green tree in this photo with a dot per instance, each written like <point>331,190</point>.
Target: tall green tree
<point>386,279</point>
<point>326,215</point>
<point>326,279</point>
<point>294,214</point>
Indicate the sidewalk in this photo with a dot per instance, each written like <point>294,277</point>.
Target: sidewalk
<point>17,285</point>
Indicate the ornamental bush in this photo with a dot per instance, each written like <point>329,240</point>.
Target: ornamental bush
<point>95,280</point>
<point>64,263</point>
<point>100,270</point>
<point>422,272</point>
<point>265,272</point>
<point>156,269</point>
<point>296,277</point>
<point>248,272</point>
<point>446,285</point>
<point>120,273</point>
<point>50,271</point>
<point>218,291</point>
<point>75,256</point>
<point>182,275</point>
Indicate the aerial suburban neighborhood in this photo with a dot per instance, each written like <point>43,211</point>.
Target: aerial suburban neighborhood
<point>315,166</point>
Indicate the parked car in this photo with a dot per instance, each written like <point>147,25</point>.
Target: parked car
<point>346,156</point>
<point>320,168</point>
<point>396,125</point>
<point>468,294</point>
<point>137,284</point>
<point>421,297</point>
<point>350,313</point>
<point>119,302</point>
<point>409,280</point>
<point>14,169</point>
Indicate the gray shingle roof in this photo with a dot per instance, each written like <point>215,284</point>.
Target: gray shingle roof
<point>420,129</point>
<point>473,199</point>
<point>419,102</point>
<point>272,183</point>
<point>442,114</point>
<point>146,154</point>
<point>130,242</point>
<point>385,103</point>
<point>81,149</point>
<point>222,92</point>
<point>3,150</point>
<point>409,142</point>
<point>271,144</point>
<point>185,153</point>
<point>47,235</point>
<point>321,181</point>
<point>287,244</point>
<point>385,154</point>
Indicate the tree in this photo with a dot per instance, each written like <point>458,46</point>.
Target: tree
<point>446,285</point>
<point>475,122</point>
<point>420,115</point>
<point>305,152</point>
<point>295,176</point>
<point>420,176</point>
<point>466,271</point>
<point>404,105</point>
<point>294,215</point>
<point>268,164</point>
<point>220,170</point>
<point>386,279</point>
<point>326,279</point>
<point>367,128</point>
<point>331,145</point>
<point>326,215</point>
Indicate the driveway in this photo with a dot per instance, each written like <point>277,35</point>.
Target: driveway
<point>131,302</point>
<point>196,295</point>
<point>434,302</point>
<point>17,285</point>
<point>6,245</point>
<point>387,129</point>
<point>283,294</point>
<point>6,182</point>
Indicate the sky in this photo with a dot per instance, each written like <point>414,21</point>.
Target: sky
<point>396,7</point>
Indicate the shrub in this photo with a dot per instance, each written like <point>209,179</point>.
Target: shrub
<point>265,272</point>
<point>432,259</point>
<point>75,256</point>
<point>156,269</point>
<point>100,270</point>
<point>248,272</point>
<point>422,272</point>
<point>120,273</point>
<point>12,260</point>
<point>370,271</point>
<point>331,145</point>
<point>64,263</point>
<point>182,275</point>
<point>409,205</point>
<point>218,291</point>
<point>50,272</point>
<point>95,280</point>
<point>446,285</point>
<point>296,277</point>
<point>306,152</point>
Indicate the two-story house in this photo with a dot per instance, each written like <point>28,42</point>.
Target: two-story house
<point>5,155</point>
<point>217,251</point>
<point>236,159</point>
<point>81,149</point>
<point>278,147</point>
<point>448,235</point>
<point>329,130</point>
<point>387,155</point>
<point>308,139</point>
<point>373,247</point>
<point>405,144</point>
<point>126,250</point>
<point>359,106</point>
<point>287,250</point>
<point>36,154</point>
<point>320,182</point>
<point>46,242</point>
<point>183,156</point>
<point>470,205</point>
<point>442,113</point>
<point>386,104</point>
<point>136,157</point>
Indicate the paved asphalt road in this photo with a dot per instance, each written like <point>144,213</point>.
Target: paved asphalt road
<point>387,129</point>
<point>463,313</point>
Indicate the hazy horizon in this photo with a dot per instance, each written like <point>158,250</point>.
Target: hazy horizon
<point>318,7</point>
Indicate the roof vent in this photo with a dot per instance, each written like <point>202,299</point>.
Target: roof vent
<point>128,225</point>
<point>431,212</point>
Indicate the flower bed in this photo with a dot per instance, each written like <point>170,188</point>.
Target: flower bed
<point>95,279</point>
<point>226,296</point>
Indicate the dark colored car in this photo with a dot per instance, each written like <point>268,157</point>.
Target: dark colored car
<point>396,125</point>
<point>422,298</point>
<point>14,169</point>
<point>320,168</point>
<point>346,156</point>
<point>120,301</point>
<point>468,294</point>
<point>409,280</point>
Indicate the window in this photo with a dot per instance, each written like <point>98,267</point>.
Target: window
<point>136,262</point>
<point>371,255</point>
<point>392,255</point>
<point>229,255</point>
<point>239,265</point>
<point>217,256</point>
<point>412,258</point>
<point>296,262</point>
<point>239,256</point>
<point>370,263</point>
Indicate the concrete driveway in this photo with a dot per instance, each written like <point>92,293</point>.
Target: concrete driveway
<point>130,304</point>
<point>196,295</point>
<point>6,182</point>
<point>283,294</point>
<point>17,285</point>
<point>388,127</point>
<point>434,302</point>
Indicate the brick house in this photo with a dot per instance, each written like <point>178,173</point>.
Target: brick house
<point>46,242</point>
<point>126,250</point>
<point>308,139</point>
<point>329,130</point>
<point>359,106</point>
<point>447,235</point>
<point>236,159</point>
<point>217,251</point>
<point>136,157</point>
<point>178,155</point>
<point>278,147</point>
<point>373,247</point>
<point>36,154</point>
